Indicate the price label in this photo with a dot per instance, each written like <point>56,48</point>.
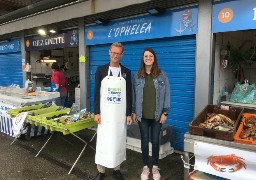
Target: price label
<point>74,108</point>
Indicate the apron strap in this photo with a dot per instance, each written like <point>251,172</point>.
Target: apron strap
<point>119,74</point>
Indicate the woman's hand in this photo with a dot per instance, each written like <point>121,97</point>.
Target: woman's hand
<point>129,120</point>
<point>163,118</point>
<point>134,117</point>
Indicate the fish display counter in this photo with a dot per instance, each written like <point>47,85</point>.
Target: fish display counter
<point>11,98</point>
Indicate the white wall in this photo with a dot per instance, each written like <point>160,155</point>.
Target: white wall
<point>203,56</point>
<point>224,78</point>
<point>38,67</point>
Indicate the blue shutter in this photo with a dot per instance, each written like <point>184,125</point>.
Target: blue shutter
<point>10,69</point>
<point>176,56</point>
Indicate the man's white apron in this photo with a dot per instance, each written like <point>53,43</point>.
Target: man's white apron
<point>111,133</point>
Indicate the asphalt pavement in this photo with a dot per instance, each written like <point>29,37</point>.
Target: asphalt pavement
<point>18,161</point>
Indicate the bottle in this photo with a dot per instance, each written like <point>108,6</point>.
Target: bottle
<point>26,83</point>
<point>28,67</point>
<point>30,85</point>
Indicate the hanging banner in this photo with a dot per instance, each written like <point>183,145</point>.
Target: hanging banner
<point>18,123</point>
<point>10,47</point>
<point>171,23</point>
<point>69,39</point>
<point>225,161</point>
<point>234,16</point>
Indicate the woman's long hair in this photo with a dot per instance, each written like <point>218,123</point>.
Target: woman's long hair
<point>155,70</point>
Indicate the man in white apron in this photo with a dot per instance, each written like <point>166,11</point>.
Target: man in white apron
<point>112,109</point>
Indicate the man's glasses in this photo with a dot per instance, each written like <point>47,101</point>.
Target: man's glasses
<point>115,53</point>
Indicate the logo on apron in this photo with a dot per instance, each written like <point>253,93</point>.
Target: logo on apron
<point>114,96</point>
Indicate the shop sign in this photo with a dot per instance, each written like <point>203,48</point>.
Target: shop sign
<point>69,39</point>
<point>10,47</point>
<point>234,16</point>
<point>223,161</point>
<point>171,23</point>
<point>4,108</point>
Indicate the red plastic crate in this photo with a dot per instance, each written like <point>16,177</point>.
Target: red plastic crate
<point>240,129</point>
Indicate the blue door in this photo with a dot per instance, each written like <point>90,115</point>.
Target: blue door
<point>176,56</point>
<point>11,69</point>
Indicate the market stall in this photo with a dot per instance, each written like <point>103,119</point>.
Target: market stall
<point>11,98</point>
<point>62,48</point>
<point>227,153</point>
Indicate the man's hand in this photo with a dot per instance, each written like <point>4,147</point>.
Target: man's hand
<point>129,120</point>
<point>97,118</point>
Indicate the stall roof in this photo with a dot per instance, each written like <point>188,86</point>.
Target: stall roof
<point>14,9</point>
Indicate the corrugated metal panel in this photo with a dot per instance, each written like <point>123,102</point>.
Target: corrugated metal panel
<point>176,56</point>
<point>10,69</point>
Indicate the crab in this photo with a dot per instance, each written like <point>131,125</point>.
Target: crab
<point>226,160</point>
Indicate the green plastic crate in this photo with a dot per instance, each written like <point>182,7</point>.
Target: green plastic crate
<point>72,127</point>
<point>35,113</point>
<point>43,110</point>
<point>41,119</point>
<point>35,122</point>
<point>15,112</point>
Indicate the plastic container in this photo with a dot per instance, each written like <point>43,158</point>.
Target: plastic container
<point>47,89</point>
<point>72,127</point>
<point>47,118</point>
<point>234,113</point>
<point>33,113</point>
<point>15,112</point>
<point>241,128</point>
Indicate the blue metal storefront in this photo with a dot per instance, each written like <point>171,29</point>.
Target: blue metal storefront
<point>172,36</point>
<point>11,64</point>
<point>176,56</point>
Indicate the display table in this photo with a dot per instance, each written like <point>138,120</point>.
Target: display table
<point>28,100</point>
<point>68,129</point>
<point>191,140</point>
<point>10,101</point>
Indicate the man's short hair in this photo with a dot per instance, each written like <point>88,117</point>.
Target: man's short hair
<point>117,44</point>
<point>55,66</point>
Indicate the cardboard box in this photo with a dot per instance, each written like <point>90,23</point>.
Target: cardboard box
<point>234,113</point>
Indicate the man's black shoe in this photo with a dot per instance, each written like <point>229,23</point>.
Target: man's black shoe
<point>100,176</point>
<point>118,175</point>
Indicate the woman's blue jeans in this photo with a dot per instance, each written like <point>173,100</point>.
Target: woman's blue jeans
<point>155,126</point>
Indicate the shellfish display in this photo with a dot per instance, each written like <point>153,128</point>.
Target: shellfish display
<point>249,131</point>
<point>218,122</point>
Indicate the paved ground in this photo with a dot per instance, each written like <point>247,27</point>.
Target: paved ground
<point>18,161</point>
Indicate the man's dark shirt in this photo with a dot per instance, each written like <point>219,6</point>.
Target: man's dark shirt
<point>101,73</point>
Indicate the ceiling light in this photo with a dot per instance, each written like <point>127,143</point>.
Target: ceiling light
<point>48,60</point>
<point>42,32</point>
<point>155,11</point>
<point>52,31</point>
